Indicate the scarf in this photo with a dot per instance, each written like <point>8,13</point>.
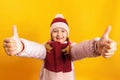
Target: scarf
<point>58,57</point>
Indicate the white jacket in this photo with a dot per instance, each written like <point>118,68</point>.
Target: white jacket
<point>78,51</point>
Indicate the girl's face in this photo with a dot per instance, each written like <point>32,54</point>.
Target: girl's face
<point>59,35</point>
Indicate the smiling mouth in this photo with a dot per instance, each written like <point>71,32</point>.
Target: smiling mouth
<point>59,38</point>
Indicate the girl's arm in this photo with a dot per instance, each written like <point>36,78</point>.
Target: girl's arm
<point>84,49</point>
<point>32,49</point>
<point>21,47</point>
<point>103,46</point>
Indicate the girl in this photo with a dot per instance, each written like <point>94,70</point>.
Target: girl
<point>59,53</point>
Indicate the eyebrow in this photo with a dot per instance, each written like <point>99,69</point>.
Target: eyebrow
<point>59,28</point>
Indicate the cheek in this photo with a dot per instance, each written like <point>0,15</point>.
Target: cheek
<point>65,35</point>
<point>53,36</point>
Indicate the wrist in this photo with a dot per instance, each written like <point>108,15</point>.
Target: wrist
<point>20,47</point>
<point>97,48</point>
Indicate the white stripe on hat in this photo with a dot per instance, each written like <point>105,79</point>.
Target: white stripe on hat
<point>59,25</point>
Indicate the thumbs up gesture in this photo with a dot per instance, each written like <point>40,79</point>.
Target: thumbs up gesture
<point>13,45</point>
<point>105,46</point>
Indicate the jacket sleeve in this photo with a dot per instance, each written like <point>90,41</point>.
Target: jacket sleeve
<point>84,49</point>
<point>32,50</point>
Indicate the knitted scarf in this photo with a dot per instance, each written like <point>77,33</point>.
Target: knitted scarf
<point>58,57</point>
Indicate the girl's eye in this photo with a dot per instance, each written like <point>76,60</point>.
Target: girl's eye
<point>63,31</point>
<point>54,31</point>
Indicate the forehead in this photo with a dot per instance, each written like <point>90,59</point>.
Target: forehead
<point>59,28</point>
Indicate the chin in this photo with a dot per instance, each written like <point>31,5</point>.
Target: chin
<point>60,41</point>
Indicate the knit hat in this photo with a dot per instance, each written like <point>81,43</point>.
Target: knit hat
<point>59,21</point>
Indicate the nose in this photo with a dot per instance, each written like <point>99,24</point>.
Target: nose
<point>59,33</point>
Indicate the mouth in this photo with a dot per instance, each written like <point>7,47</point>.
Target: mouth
<point>59,38</point>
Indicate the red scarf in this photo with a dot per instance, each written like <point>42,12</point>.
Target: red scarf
<point>56,60</point>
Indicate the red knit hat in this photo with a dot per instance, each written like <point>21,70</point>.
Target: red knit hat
<point>59,21</point>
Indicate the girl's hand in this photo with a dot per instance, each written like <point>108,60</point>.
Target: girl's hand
<point>13,44</point>
<point>105,46</point>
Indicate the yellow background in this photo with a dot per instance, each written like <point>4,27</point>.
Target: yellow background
<point>87,19</point>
